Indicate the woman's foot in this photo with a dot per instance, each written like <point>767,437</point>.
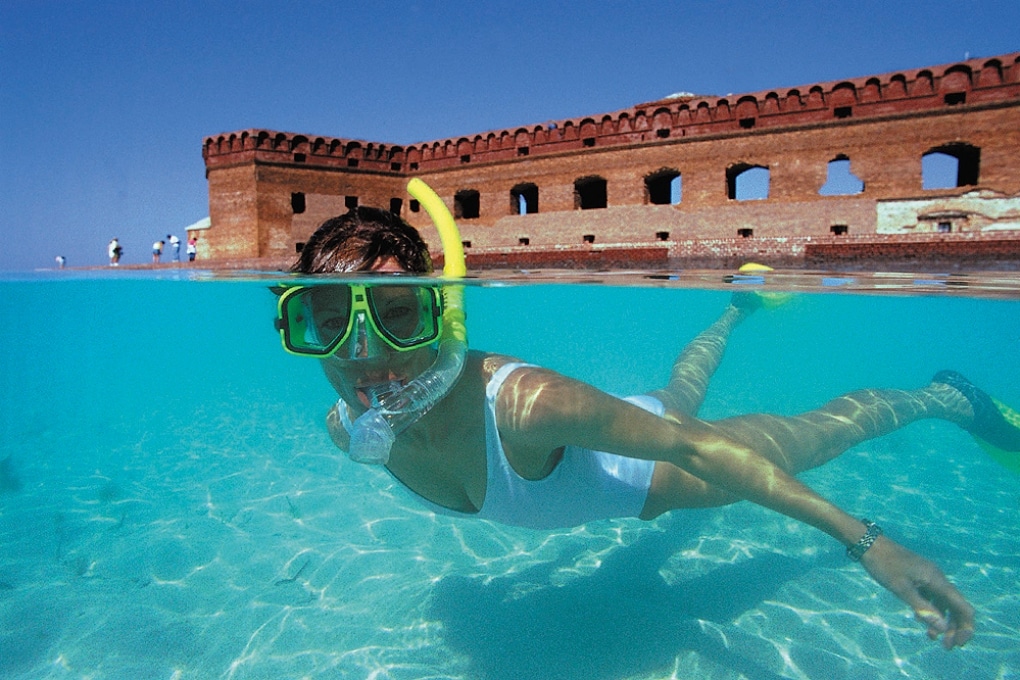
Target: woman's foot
<point>990,423</point>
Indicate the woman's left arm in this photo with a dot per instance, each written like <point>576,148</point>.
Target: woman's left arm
<point>549,411</point>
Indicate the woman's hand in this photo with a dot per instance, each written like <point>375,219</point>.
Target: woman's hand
<point>935,601</point>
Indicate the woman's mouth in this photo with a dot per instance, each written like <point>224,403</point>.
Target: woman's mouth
<point>372,391</point>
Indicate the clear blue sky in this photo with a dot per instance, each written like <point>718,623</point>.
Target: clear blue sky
<point>104,105</point>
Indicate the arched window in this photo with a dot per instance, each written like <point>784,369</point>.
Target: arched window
<point>524,199</point>
<point>841,181</point>
<point>746,182</point>
<point>664,187</point>
<point>950,166</point>
<point>590,193</point>
<point>466,204</point>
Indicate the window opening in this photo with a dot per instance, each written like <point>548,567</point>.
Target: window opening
<point>351,202</point>
<point>747,123</point>
<point>747,182</point>
<point>662,133</point>
<point>840,180</point>
<point>662,235</point>
<point>524,199</point>
<point>299,158</point>
<point>299,246</point>
<point>395,205</point>
<point>588,238</point>
<point>466,158</point>
<point>955,98</point>
<point>466,204</point>
<point>352,162</point>
<point>590,193</point>
<point>839,229</point>
<point>945,227</point>
<point>523,151</point>
<point>414,166</point>
<point>950,166</point>
<point>524,241</point>
<point>588,141</point>
<point>413,205</point>
<point>745,233</point>
<point>664,187</point>
<point>395,167</point>
<point>466,244</point>
<point>843,111</point>
<point>297,202</point>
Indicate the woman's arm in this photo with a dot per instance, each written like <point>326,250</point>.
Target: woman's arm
<point>542,411</point>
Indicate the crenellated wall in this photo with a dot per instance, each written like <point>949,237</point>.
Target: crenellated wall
<point>269,190</point>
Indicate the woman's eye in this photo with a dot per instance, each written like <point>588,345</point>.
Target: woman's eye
<point>332,324</point>
<point>397,313</point>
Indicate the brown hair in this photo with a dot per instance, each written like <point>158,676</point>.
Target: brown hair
<point>359,240</point>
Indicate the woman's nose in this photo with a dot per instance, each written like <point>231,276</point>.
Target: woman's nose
<point>359,338</point>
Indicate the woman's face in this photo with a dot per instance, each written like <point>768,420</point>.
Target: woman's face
<point>356,379</point>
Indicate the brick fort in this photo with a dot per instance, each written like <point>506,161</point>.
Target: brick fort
<point>915,168</point>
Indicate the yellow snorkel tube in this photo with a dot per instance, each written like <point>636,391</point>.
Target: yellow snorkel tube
<point>373,433</point>
<point>454,264</point>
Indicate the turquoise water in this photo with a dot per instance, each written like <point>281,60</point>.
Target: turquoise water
<point>171,506</point>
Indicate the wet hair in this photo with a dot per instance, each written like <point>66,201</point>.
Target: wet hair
<point>361,239</point>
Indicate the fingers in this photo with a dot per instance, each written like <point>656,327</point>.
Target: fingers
<point>936,603</point>
<point>958,629</point>
<point>940,607</point>
<point>936,623</point>
<point>957,637</point>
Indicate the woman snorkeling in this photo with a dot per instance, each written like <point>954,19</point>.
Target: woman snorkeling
<point>478,434</point>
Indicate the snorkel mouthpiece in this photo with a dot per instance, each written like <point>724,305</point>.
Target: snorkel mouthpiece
<point>394,410</point>
<point>372,438</point>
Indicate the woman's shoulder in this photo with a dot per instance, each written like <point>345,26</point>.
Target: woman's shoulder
<point>486,364</point>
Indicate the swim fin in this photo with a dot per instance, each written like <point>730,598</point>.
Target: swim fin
<point>996,426</point>
<point>1008,459</point>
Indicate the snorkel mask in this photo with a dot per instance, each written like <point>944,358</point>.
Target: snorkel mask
<point>318,320</point>
<point>373,320</point>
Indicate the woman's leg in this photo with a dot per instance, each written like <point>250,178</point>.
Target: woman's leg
<point>803,442</point>
<point>699,360</point>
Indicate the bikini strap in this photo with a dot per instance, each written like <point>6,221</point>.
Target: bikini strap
<point>500,376</point>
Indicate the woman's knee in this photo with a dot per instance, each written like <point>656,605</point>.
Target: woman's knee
<point>676,489</point>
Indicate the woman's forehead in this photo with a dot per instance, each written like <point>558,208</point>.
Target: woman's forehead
<point>388,265</point>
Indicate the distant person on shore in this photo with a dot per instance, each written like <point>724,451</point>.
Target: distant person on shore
<point>114,251</point>
<point>192,248</point>
<point>61,261</point>
<point>157,250</point>
<point>175,243</point>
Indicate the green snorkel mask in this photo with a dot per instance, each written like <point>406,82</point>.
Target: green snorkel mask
<point>318,320</point>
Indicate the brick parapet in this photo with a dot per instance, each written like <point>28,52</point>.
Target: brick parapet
<point>971,84</point>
